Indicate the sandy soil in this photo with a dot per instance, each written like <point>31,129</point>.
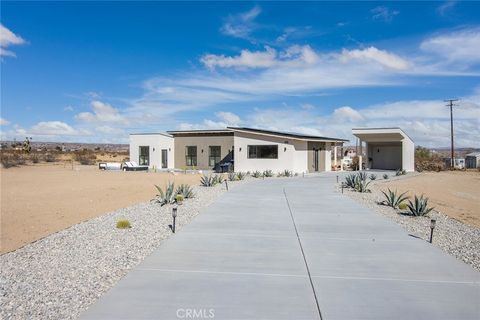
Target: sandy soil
<point>38,200</point>
<point>454,193</point>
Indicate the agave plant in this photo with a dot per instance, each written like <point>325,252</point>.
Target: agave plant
<point>218,178</point>
<point>350,180</point>
<point>404,172</point>
<point>361,185</point>
<point>419,207</point>
<point>268,173</point>
<point>185,190</point>
<point>241,175</point>
<point>362,175</point>
<point>287,173</point>
<point>232,176</point>
<point>207,181</point>
<point>385,176</point>
<point>373,177</point>
<point>167,196</point>
<point>398,173</point>
<point>256,174</point>
<point>392,199</point>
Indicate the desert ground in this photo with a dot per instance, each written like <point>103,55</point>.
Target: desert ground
<point>40,199</point>
<point>454,193</point>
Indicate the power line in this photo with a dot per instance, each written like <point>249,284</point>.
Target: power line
<point>451,104</point>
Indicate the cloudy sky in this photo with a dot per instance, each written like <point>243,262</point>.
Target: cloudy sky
<point>96,71</point>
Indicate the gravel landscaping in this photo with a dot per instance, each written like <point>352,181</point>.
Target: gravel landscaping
<point>59,276</point>
<point>454,237</point>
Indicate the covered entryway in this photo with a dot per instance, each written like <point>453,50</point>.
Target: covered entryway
<point>386,148</point>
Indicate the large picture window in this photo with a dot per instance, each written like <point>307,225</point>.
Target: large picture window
<point>144,155</point>
<point>191,156</point>
<point>214,155</point>
<point>263,152</point>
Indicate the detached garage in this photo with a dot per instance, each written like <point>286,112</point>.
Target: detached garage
<point>387,148</point>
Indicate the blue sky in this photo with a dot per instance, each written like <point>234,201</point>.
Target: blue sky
<point>96,71</point>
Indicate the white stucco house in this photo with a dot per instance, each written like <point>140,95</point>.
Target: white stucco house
<point>155,150</point>
<point>386,148</point>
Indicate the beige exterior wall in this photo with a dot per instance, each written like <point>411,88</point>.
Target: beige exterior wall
<point>292,154</point>
<point>202,142</point>
<point>156,143</point>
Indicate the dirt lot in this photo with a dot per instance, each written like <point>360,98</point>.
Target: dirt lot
<point>454,193</point>
<point>37,200</point>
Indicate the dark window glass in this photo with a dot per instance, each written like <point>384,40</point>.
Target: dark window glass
<point>191,156</point>
<point>144,155</point>
<point>214,155</point>
<point>263,152</point>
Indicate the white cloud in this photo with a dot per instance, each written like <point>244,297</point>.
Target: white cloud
<point>102,112</point>
<point>446,7</point>
<point>228,117</point>
<point>383,13</point>
<point>241,25</point>
<point>55,128</point>
<point>347,114</point>
<point>383,57</point>
<point>68,108</point>
<point>4,122</point>
<point>461,46</point>
<point>8,38</point>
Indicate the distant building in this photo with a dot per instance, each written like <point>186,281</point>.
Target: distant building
<point>459,163</point>
<point>472,160</point>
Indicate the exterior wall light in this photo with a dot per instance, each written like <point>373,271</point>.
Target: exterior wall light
<point>240,149</point>
<point>432,226</point>
<point>285,149</point>
<point>174,216</point>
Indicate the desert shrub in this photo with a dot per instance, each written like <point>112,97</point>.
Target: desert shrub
<point>373,177</point>
<point>185,190</point>
<point>268,173</point>
<point>398,173</point>
<point>350,180</point>
<point>232,176</point>
<point>241,175</point>
<point>218,178</point>
<point>85,157</point>
<point>179,198</point>
<point>207,181</point>
<point>361,185</point>
<point>165,196</point>
<point>393,199</point>
<point>256,174</point>
<point>402,206</point>
<point>285,173</point>
<point>34,158</point>
<point>50,157</point>
<point>355,163</point>
<point>426,161</point>
<point>123,224</point>
<point>404,172</point>
<point>385,176</point>
<point>357,181</point>
<point>419,207</point>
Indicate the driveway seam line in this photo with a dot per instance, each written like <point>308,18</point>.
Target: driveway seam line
<point>303,255</point>
<point>225,272</point>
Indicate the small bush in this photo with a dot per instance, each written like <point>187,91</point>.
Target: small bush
<point>35,158</point>
<point>392,199</point>
<point>179,198</point>
<point>285,173</point>
<point>185,190</point>
<point>167,196</point>
<point>419,207</point>
<point>398,173</point>
<point>232,176</point>
<point>404,172</point>
<point>268,173</point>
<point>241,175</point>
<point>50,157</point>
<point>402,206</point>
<point>256,174</point>
<point>373,177</point>
<point>85,157</point>
<point>350,180</point>
<point>123,224</point>
<point>361,185</point>
<point>385,176</point>
<point>217,179</point>
<point>359,182</point>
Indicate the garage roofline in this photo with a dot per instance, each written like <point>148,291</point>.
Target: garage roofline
<point>377,131</point>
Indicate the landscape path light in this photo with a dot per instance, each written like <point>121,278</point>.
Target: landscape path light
<point>432,226</point>
<point>174,216</point>
<point>226,184</point>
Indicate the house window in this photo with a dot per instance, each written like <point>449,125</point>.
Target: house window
<point>191,156</point>
<point>263,152</point>
<point>144,155</point>
<point>214,155</point>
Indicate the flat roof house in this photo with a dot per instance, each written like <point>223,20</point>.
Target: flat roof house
<point>387,148</point>
<point>152,149</point>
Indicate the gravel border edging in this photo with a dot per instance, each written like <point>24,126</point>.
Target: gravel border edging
<point>59,276</point>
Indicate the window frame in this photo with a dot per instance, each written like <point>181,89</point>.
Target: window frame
<point>144,156</point>
<point>192,157</point>
<point>216,158</point>
<point>257,153</point>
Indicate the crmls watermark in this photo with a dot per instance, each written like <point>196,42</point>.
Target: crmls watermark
<point>192,313</point>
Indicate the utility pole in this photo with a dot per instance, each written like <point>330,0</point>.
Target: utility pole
<point>451,104</point>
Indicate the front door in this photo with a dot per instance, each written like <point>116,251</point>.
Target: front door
<point>315,159</point>
<point>164,158</point>
<point>144,155</point>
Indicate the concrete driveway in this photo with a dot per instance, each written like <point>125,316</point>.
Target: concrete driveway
<point>293,249</point>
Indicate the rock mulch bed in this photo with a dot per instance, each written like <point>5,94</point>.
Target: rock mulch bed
<point>59,276</point>
<point>454,237</point>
